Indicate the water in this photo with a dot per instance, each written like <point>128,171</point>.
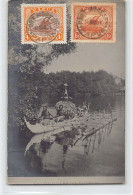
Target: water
<point>102,154</point>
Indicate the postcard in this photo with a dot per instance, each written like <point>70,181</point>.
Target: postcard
<point>66,92</point>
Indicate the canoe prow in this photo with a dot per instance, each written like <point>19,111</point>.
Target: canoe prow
<point>37,128</point>
<point>40,128</point>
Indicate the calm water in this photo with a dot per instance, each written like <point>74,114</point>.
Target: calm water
<point>98,155</point>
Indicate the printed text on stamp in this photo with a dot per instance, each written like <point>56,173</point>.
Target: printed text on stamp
<point>93,22</point>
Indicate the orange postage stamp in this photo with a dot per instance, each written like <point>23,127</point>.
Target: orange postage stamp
<point>93,22</point>
<point>43,23</point>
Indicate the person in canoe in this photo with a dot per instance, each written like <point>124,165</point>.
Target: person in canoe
<point>60,114</point>
<point>60,110</point>
<point>46,114</point>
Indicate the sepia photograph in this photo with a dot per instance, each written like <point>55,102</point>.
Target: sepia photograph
<point>66,92</point>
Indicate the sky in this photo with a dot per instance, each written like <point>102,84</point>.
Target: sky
<point>89,57</point>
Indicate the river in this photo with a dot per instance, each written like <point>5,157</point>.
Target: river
<point>102,154</point>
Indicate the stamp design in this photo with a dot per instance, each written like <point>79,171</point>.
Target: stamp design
<point>43,23</point>
<point>93,22</point>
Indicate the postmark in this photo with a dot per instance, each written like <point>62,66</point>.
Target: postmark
<point>93,22</point>
<point>43,23</point>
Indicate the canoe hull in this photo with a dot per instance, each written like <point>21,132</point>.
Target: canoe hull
<point>39,128</point>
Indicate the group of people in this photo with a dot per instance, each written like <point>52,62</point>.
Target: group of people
<point>61,114</point>
<point>47,115</point>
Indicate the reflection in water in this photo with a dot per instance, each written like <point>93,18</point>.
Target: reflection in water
<point>36,139</point>
<point>35,153</point>
<point>92,142</point>
<point>101,154</point>
<point>47,154</point>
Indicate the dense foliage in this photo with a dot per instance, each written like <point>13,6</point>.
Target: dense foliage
<point>93,83</point>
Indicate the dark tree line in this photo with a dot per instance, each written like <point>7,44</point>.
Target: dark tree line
<point>92,83</point>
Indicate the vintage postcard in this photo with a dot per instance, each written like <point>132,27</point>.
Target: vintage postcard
<point>66,92</point>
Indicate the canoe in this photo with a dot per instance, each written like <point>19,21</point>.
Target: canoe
<point>56,126</point>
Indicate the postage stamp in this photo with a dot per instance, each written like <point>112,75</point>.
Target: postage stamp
<point>43,23</point>
<point>93,22</point>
